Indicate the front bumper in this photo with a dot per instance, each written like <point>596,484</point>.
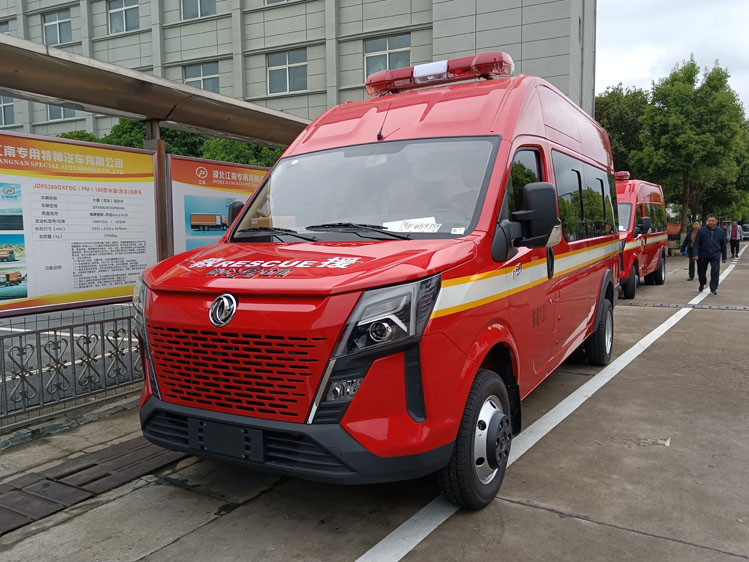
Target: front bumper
<point>322,452</point>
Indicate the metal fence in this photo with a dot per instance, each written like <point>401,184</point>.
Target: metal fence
<point>53,363</point>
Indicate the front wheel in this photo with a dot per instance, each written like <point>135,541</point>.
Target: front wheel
<point>600,343</point>
<point>472,478</point>
<point>630,286</point>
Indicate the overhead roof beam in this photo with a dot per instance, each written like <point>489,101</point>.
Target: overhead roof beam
<point>33,71</point>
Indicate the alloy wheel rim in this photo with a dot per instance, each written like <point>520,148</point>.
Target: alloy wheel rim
<point>492,437</point>
<point>609,332</point>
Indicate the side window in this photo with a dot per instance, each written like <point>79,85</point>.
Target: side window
<point>638,214</point>
<point>661,218</point>
<point>652,212</point>
<point>526,168</point>
<point>569,182</point>
<point>594,211</point>
<point>611,203</point>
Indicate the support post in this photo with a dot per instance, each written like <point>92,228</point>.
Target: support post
<point>164,234</point>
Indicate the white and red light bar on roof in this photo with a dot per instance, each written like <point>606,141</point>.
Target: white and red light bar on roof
<point>483,65</point>
<point>621,175</point>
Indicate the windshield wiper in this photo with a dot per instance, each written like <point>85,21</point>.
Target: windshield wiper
<point>357,226</point>
<point>277,232</point>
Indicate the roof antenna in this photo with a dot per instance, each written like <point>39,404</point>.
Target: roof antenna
<point>379,134</point>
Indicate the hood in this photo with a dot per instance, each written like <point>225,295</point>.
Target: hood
<point>306,268</point>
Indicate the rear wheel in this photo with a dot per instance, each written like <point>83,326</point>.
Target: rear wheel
<point>630,286</point>
<point>472,478</point>
<point>600,343</point>
<point>659,277</point>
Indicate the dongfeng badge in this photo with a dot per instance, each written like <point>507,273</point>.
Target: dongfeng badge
<point>222,310</point>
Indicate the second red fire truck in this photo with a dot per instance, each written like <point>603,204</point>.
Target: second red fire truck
<point>643,232</point>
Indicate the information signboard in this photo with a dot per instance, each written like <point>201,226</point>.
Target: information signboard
<point>77,221</point>
<point>202,191</point>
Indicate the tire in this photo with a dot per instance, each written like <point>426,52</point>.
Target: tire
<point>659,277</point>
<point>600,343</point>
<point>465,482</point>
<point>629,288</point>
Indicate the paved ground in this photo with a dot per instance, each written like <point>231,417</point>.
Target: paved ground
<point>654,466</point>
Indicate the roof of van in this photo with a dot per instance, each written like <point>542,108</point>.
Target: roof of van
<point>645,191</point>
<point>505,107</point>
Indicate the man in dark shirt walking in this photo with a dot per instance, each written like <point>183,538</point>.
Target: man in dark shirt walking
<point>709,248</point>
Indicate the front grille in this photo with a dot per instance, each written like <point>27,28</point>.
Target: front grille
<point>286,450</point>
<point>266,376</point>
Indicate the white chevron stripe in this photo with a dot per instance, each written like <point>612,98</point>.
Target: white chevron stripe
<point>469,294</point>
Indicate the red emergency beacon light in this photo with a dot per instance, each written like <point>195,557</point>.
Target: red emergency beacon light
<point>621,176</point>
<point>483,65</point>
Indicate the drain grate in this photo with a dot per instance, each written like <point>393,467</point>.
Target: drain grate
<point>37,495</point>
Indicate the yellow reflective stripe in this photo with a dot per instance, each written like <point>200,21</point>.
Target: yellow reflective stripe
<point>456,294</point>
<point>487,300</point>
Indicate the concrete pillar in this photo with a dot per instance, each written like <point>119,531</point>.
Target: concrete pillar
<point>237,46</point>
<point>156,39</point>
<point>23,29</point>
<point>331,52</point>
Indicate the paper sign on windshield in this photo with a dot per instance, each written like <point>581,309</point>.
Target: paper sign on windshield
<point>424,224</point>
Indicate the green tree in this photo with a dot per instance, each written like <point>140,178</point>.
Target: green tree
<point>240,152</point>
<point>80,135</point>
<point>691,134</point>
<point>133,133</point>
<point>619,110</point>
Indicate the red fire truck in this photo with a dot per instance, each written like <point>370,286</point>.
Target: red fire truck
<point>643,231</point>
<point>411,268</point>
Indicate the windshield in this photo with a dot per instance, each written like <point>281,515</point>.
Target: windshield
<point>426,188</point>
<point>625,215</point>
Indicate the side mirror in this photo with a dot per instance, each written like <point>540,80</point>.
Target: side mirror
<point>234,209</point>
<point>644,226</point>
<point>539,215</point>
<point>502,247</point>
<point>636,231</point>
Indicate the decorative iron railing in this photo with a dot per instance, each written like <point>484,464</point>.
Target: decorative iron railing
<point>54,363</point>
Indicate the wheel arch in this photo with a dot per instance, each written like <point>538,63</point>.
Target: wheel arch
<point>501,359</point>
<point>606,292</point>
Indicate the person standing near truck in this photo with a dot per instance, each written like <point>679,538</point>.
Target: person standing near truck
<point>735,235</point>
<point>709,248</point>
<point>688,246</point>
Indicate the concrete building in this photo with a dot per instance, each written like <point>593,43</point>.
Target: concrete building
<point>299,56</point>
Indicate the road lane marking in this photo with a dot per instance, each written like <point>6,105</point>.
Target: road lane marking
<point>408,535</point>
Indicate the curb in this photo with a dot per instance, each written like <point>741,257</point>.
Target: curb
<point>54,425</point>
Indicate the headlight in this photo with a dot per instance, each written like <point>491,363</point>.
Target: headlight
<point>385,316</point>
<point>139,295</point>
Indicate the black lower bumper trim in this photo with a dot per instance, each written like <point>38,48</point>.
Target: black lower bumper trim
<point>322,452</point>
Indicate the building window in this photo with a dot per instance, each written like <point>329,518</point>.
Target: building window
<point>123,16</point>
<point>57,28</point>
<point>203,76</point>
<point>7,116</point>
<point>287,71</point>
<point>192,9</point>
<point>57,112</point>
<point>268,2</point>
<point>4,27</point>
<point>387,53</point>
